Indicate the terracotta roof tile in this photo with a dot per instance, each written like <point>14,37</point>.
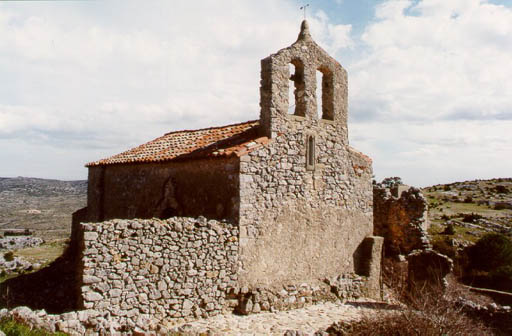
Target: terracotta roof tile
<point>237,139</point>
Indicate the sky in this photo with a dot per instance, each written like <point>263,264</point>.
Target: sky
<point>430,81</point>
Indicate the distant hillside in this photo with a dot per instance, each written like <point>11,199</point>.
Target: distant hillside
<point>42,205</point>
<point>473,208</point>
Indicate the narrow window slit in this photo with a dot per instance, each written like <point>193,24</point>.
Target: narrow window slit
<point>310,164</point>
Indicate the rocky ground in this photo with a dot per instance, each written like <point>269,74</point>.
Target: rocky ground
<point>43,206</point>
<point>313,320</point>
<point>35,221</point>
<point>472,208</point>
<point>304,321</point>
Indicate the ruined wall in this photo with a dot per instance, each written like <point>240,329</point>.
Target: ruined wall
<point>162,268</point>
<point>193,188</point>
<point>302,221</point>
<point>402,222</point>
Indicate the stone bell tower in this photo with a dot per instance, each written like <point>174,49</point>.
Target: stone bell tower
<point>308,61</point>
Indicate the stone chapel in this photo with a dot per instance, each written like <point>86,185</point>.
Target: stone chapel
<point>298,195</point>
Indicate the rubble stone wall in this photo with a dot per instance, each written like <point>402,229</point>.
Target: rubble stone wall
<point>172,268</point>
<point>402,222</point>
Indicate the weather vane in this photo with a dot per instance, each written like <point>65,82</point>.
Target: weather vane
<point>304,7</point>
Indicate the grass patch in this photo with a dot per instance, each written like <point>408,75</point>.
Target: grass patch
<point>45,253</point>
<point>13,328</point>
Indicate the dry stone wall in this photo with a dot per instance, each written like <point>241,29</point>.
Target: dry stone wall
<point>175,268</point>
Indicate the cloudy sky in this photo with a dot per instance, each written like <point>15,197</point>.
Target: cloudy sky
<point>430,81</point>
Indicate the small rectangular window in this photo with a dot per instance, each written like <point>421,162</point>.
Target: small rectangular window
<point>310,150</point>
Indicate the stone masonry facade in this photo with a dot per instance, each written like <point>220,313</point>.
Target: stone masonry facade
<point>270,214</point>
<point>312,215</point>
<point>179,267</point>
<point>188,268</point>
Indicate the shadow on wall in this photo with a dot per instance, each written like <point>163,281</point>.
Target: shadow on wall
<point>53,288</point>
<point>363,258</point>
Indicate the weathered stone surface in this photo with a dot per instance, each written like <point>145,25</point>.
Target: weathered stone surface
<point>402,221</point>
<point>90,236</point>
<point>179,281</point>
<point>306,196</point>
<point>92,296</point>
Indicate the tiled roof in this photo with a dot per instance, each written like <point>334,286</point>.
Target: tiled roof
<point>237,139</point>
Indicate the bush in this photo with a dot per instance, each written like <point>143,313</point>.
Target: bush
<point>471,218</point>
<point>491,252</point>
<point>501,278</point>
<point>9,256</point>
<point>500,206</point>
<point>13,328</point>
<point>447,188</point>
<point>468,199</point>
<point>444,247</point>
<point>449,230</point>
<point>389,182</point>
<point>430,313</point>
<point>501,189</point>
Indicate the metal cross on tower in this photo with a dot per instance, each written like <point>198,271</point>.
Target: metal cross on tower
<point>304,8</point>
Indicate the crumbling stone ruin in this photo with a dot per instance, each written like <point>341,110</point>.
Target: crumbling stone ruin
<point>267,214</point>
<point>400,215</point>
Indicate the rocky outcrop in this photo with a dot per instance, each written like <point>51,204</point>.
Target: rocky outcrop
<point>402,221</point>
<point>19,242</point>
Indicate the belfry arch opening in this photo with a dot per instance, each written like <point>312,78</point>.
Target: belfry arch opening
<point>296,87</point>
<point>324,93</point>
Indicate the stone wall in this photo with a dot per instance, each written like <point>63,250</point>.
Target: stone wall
<point>402,222</point>
<point>302,220</point>
<point>174,268</point>
<point>190,188</point>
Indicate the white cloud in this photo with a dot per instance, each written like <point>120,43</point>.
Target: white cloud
<point>100,77</point>
<point>426,153</point>
<point>429,82</point>
<point>444,65</point>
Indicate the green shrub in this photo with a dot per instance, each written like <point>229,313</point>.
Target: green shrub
<point>13,328</point>
<point>491,252</point>
<point>501,189</point>
<point>501,278</point>
<point>9,256</point>
<point>449,230</point>
<point>389,182</point>
<point>471,218</point>
<point>444,247</point>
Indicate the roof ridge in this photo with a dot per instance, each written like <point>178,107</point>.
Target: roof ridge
<point>180,143</point>
<point>212,127</point>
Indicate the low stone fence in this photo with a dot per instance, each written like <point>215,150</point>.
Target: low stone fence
<point>174,268</point>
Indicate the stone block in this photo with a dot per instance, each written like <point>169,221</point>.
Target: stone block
<point>88,236</point>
